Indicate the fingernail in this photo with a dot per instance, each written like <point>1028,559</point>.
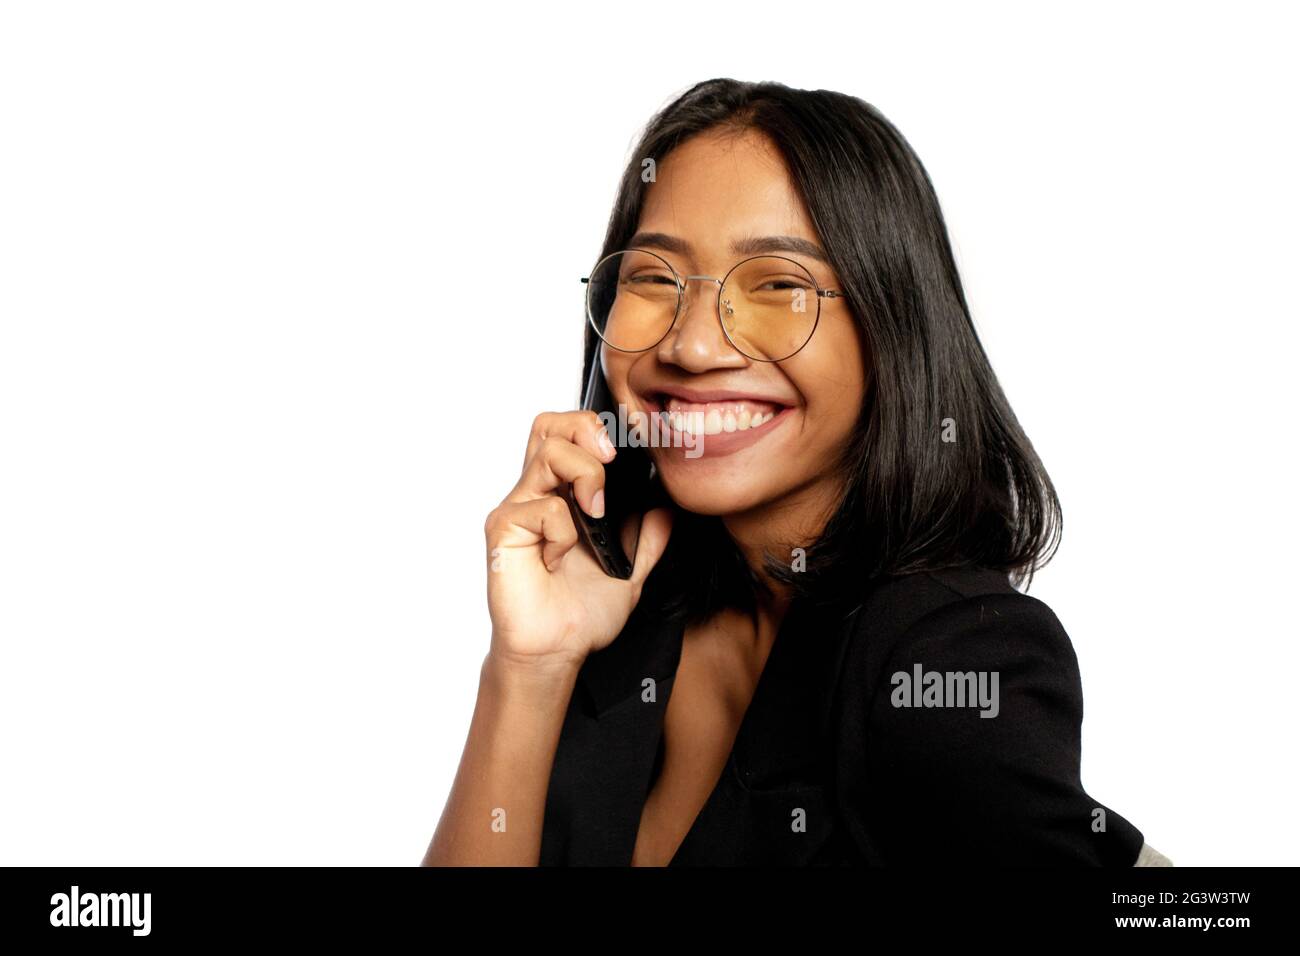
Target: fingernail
<point>598,504</point>
<point>606,446</point>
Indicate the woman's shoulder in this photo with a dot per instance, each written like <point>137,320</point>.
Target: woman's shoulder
<point>953,606</point>
<point>961,620</point>
<point>972,619</point>
<point>962,712</point>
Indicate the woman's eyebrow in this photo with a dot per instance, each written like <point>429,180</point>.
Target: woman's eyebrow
<point>757,245</point>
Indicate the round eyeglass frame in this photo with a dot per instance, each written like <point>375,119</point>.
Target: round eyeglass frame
<point>681,281</point>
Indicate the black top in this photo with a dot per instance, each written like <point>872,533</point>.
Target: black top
<point>828,766</point>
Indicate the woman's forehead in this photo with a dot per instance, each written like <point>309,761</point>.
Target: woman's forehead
<point>707,175</point>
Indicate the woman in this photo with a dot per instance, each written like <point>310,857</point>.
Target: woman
<point>819,656</point>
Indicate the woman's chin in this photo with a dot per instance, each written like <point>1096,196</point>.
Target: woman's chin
<point>707,501</point>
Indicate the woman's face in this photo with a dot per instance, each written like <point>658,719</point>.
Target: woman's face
<point>710,194</point>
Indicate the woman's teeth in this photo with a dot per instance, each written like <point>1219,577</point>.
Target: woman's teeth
<point>717,417</point>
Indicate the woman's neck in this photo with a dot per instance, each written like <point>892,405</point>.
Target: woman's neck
<point>778,528</point>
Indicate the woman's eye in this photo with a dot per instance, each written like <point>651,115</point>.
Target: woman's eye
<point>650,279</point>
<point>780,285</point>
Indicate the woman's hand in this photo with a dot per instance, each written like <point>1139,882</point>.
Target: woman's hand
<point>549,600</point>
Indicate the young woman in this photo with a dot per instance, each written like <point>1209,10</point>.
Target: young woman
<point>821,655</point>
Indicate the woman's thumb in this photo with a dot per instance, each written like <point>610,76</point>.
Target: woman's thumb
<point>656,528</point>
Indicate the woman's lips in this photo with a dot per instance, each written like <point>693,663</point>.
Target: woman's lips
<point>713,429</point>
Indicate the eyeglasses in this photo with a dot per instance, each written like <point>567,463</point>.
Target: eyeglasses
<point>634,298</point>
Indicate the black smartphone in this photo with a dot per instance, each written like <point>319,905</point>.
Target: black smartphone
<point>631,486</point>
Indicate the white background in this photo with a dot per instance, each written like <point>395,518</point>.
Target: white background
<point>251,420</point>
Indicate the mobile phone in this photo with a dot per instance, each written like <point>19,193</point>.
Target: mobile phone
<point>631,487</point>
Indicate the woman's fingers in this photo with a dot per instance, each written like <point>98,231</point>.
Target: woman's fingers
<point>557,461</point>
<point>583,429</point>
<point>524,524</point>
<point>568,448</point>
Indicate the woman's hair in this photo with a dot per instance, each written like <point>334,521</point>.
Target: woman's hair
<point>914,498</point>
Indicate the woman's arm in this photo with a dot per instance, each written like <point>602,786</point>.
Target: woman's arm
<point>494,813</point>
<point>551,605</point>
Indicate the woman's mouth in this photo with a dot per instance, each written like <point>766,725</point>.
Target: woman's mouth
<point>714,428</point>
<point>714,418</point>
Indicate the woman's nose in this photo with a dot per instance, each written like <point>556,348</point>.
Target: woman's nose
<point>696,341</point>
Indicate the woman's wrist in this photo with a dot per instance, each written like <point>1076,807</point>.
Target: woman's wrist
<point>525,675</point>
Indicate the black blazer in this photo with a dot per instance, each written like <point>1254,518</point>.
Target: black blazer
<point>829,767</point>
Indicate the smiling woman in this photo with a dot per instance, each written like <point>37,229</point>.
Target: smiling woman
<point>783,291</point>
